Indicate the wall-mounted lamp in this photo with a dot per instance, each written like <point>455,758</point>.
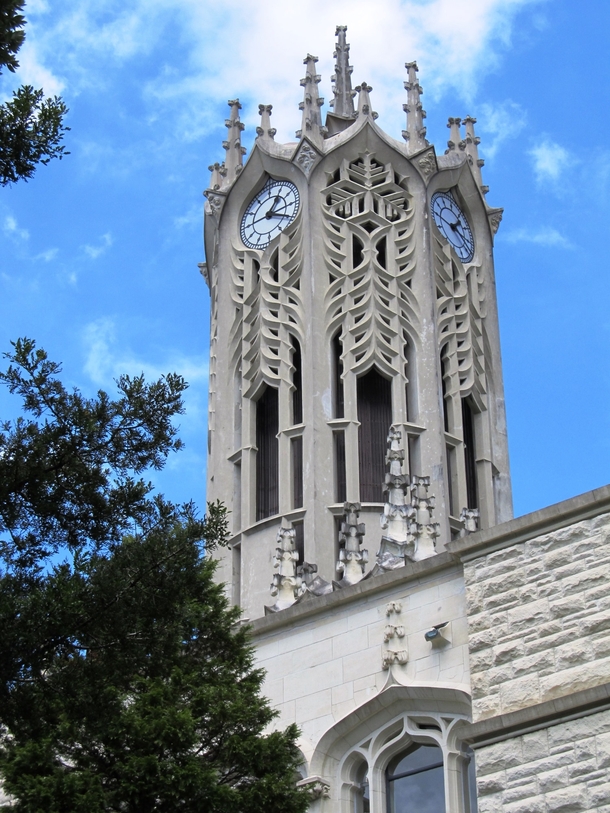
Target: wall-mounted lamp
<point>435,632</point>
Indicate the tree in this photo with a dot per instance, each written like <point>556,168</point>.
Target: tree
<point>31,127</point>
<point>127,683</point>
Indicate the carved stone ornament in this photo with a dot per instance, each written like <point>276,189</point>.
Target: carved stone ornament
<point>495,219</point>
<point>216,203</point>
<point>315,787</point>
<point>390,657</point>
<point>427,165</point>
<point>306,157</point>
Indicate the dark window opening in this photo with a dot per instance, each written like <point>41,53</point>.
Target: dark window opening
<point>451,495</point>
<point>444,379</point>
<point>296,445</point>
<point>357,251</point>
<point>297,381</point>
<point>469,454</point>
<point>275,271</point>
<point>257,271</point>
<point>374,393</point>
<point>340,474</point>
<point>382,252</point>
<point>337,374</point>
<point>267,457</point>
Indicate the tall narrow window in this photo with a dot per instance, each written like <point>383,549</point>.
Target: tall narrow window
<point>444,379</point>
<point>337,373</point>
<point>340,479</point>
<point>469,454</point>
<point>415,780</point>
<point>375,415</point>
<point>296,446</point>
<point>299,541</point>
<point>267,474</point>
<point>297,382</point>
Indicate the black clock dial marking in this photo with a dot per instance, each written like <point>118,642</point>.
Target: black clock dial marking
<point>268,213</point>
<point>453,225</point>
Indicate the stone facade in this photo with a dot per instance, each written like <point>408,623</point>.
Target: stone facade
<point>396,623</point>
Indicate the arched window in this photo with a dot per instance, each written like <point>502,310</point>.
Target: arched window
<point>267,473</point>
<point>415,781</point>
<point>374,394</point>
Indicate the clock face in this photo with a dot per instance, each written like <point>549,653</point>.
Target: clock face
<point>268,213</point>
<point>453,225</point>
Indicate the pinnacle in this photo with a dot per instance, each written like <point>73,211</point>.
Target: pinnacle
<point>364,101</point>
<point>343,101</point>
<point>235,151</point>
<point>311,124</point>
<point>415,133</point>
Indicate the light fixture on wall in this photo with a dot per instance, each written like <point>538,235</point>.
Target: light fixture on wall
<point>435,632</point>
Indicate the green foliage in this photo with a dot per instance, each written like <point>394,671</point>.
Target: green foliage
<point>126,682</point>
<point>12,34</point>
<point>31,127</point>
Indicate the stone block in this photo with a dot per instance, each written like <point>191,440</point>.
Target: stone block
<point>494,783</point>
<point>533,804</point>
<point>553,780</point>
<point>528,614</point>
<point>573,653</point>
<point>580,677</point>
<point>499,757</point>
<point>520,693</point>
<point>541,662</point>
<point>535,745</point>
<point>567,606</point>
<point>599,797</point>
<point>567,800</point>
<point>507,652</point>
<point>522,791</point>
<point>602,748</point>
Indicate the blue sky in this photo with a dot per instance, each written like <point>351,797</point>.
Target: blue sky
<point>99,252</point>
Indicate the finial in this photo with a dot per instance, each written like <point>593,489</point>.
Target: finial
<point>364,101</point>
<point>235,151</point>
<point>219,172</point>
<point>311,125</point>
<point>343,101</point>
<point>415,133</point>
<point>455,136</point>
<point>472,151</point>
<point>265,132</point>
<point>286,585</point>
<point>352,558</point>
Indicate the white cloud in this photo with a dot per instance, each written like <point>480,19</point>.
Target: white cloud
<point>11,229</point>
<point>96,251</point>
<point>193,217</point>
<point>550,160</point>
<point>47,255</point>
<point>106,358</point>
<point>502,122</point>
<point>544,236</point>
<point>255,50</point>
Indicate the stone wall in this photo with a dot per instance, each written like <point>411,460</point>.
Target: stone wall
<point>564,768</point>
<point>539,618</point>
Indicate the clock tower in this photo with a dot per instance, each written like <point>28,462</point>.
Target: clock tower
<point>356,395</point>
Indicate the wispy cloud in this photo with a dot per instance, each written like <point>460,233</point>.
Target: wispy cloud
<point>191,218</point>
<point>106,358</point>
<point>550,160</point>
<point>96,251</point>
<point>11,229</point>
<point>500,122</point>
<point>456,42</point>
<point>544,236</point>
<point>48,255</point>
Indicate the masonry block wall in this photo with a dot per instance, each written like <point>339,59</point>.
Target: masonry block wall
<point>539,618</point>
<point>538,604</point>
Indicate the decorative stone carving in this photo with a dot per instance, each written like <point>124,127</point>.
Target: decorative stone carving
<point>495,218</point>
<point>455,136</point>
<point>306,157</point>
<point>470,520</point>
<point>343,101</point>
<point>316,787</point>
<point>216,201</point>
<point>407,513</point>
<point>415,133</point>
<point>472,142</point>
<point>364,101</point>
<point>390,657</point>
<point>427,165</point>
<point>352,559</point>
<point>265,132</point>
<point>313,583</point>
<point>235,152</point>
<point>286,585</point>
<point>311,124</point>
<point>393,631</point>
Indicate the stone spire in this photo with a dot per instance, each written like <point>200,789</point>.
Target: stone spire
<point>343,101</point>
<point>219,172</point>
<point>235,151</point>
<point>455,136</point>
<point>352,558</point>
<point>311,125</point>
<point>426,531</point>
<point>472,151</point>
<point>286,585</point>
<point>364,101</point>
<point>265,132</point>
<point>415,133</point>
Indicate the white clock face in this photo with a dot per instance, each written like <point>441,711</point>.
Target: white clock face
<point>453,225</point>
<point>269,212</point>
